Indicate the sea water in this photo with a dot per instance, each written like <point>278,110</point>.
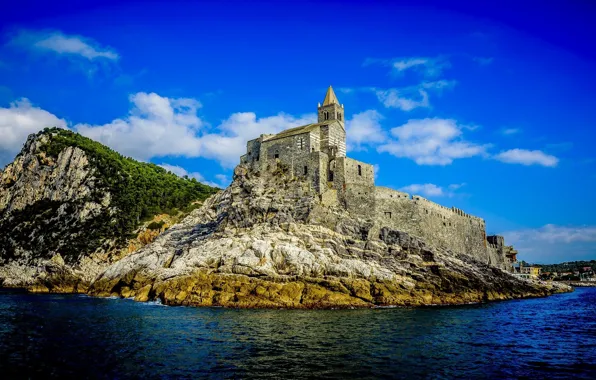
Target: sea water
<point>70,336</point>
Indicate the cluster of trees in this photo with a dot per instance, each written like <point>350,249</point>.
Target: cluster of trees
<point>138,190</point>
<point>571,266</point>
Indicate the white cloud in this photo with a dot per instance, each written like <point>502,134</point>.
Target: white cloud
<point>426,66</point>
<point>53,41</point>
<point>552,243</point>
<point>426,189</point>
<point>222,180</point>
<point>376,170</point>
<point>431,190</point>
<point>156,126</point>
<point>364,128</point>
<point>395,98</point>
<point>19,120</point>
<point>455,186</point>
<point>510,131</point>
<point>431,142</point>
<point>80,53</point>
<point>552,233</point>
<point>527,157</point>
<point>412,97</point>
<point>229,142</point>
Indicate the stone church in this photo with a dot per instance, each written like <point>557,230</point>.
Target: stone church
<point>316,153</point>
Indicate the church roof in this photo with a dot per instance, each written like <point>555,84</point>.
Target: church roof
<point>330,97</point>
<point>295,131</point>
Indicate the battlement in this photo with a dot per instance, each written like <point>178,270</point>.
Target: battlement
<point>385,193</point>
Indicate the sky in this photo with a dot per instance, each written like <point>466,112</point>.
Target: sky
<point>488,108</point>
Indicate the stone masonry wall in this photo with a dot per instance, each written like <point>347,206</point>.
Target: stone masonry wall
<point>333,134</point>
<point>441,226</point>
<point>355,186</point>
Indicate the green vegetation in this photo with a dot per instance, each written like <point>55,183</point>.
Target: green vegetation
<point>571,266</point>
<point>156,225</point>
<point>138,192</point>
<point>570,271</point>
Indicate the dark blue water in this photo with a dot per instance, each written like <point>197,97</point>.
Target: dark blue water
<point>45,336</point>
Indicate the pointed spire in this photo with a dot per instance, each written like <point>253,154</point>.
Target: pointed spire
<point>330,98</point>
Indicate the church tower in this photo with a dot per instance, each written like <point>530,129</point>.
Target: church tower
<point>331,109</point>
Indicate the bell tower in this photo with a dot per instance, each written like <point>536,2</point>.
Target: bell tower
<point>331,109</point>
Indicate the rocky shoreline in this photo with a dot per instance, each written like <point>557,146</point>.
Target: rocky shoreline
<point>268,241</point>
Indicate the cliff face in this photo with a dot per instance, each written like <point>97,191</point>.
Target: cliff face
<point>66,211</point>
<point>269,241</point>
<point>46,205</point>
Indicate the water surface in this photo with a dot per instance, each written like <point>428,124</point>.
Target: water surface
<point>62,336</point>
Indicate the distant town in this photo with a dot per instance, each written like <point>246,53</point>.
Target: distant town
<point>581,271</point>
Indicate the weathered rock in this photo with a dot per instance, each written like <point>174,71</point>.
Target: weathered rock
<point>252,247</point>
<point>66,198</point>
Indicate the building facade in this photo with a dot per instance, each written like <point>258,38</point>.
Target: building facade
<point>316,153</point>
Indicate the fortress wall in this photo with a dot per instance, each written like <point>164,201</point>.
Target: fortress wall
<point>447,228</point>
<point>355,186</point>
<point>317,165</point>
<point>387,193</point>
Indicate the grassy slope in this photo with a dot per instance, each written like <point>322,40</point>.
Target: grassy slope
<point>138,191</point>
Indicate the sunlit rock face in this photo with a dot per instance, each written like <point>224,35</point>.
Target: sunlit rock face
<point>271,240</point>
<point>69,207</point>
<point>49,205</point>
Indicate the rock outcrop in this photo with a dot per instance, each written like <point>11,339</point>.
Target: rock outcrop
<point>269,241</point>
<point>70,206</point>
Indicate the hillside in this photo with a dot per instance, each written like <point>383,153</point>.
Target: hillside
<point>69,195</point>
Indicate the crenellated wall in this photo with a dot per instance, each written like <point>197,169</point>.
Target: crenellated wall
<point>448,228</point>
<point>354,181</point>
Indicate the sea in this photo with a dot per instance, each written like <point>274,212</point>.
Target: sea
<point>79,337</point>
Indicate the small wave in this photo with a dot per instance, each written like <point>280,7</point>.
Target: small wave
<point>157,302</point>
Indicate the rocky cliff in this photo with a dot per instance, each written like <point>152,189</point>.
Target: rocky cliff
<point>269,241</point>
<point>69,206</point>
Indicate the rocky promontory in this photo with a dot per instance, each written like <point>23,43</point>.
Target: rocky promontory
<point>76,217</point>
<point>269,241</point>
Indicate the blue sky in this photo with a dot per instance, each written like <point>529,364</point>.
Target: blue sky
<point>486,108</point>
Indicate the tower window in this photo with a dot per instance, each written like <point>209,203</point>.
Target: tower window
<point>305,170</point>
<point>276,155</point>
<point>338,116</point>
<point>359,170</point>
<point>326,115</point>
